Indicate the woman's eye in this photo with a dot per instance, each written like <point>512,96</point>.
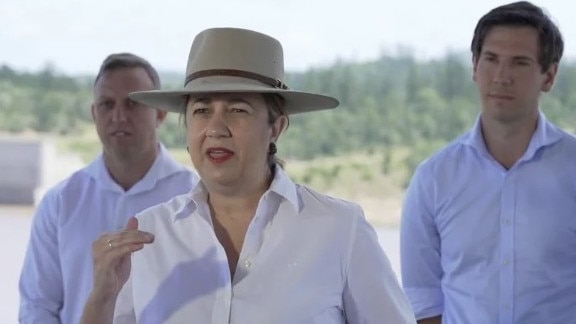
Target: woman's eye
<point>200,110</point>
<point>239,110</point>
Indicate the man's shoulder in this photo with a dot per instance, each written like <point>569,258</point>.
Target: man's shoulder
<point>448,154</point>
<point>567,138</point>
<point>179,181</point>
<point>185,171</point>
<point>70,185</point>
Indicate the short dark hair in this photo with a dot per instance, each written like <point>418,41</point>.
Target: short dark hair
<point>128,60</point>
<point>523,14</point>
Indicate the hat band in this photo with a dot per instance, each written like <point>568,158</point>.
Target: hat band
<point>275,83</point>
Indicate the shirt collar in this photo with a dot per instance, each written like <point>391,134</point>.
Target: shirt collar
<point>164,166</point>
<point>545,134</point>
<point>282,186</point>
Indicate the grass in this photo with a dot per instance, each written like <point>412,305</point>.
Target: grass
<point>361,177</point>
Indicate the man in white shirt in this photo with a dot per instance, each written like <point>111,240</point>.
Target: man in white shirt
<point>133,172</point>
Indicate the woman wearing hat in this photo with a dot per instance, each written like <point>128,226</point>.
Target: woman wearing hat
<point>246,245</point>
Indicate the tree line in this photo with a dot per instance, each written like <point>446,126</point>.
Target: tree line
<point>395,101</point>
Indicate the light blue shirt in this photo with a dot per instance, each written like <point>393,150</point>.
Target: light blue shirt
<point>480,244</point>
<point>56,278</point>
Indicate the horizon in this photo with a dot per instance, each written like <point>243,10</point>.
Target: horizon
<point>462,54</point>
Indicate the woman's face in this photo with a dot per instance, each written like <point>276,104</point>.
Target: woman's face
<point>229,137</point>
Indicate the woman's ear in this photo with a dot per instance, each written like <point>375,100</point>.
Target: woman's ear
<point>278,127</point>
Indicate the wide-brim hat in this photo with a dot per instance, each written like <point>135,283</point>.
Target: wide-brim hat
<point>233,60</point>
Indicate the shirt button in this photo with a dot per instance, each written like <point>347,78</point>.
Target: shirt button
<point>247,264</point>
<point>507,221</point>
<point>506,262</point>
<point>506,306</point>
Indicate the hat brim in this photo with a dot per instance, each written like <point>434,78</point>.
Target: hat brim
<point>175,100</point>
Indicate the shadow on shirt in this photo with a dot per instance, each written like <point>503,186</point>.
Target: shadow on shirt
<point>187,281</point>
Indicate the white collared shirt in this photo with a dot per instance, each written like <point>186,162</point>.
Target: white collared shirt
<point>56,278</point>
<point>306,258</point>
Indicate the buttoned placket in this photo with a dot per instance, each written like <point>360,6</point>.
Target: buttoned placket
<point>507,220</point>
<point>223,297</point>
<point>246,260</point>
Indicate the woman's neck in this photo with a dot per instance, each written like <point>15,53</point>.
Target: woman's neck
<point>239,201</point>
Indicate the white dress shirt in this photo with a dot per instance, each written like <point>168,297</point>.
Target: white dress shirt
<point>306,258</point>
<point>56,278</point>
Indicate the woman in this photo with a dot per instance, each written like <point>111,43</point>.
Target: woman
<point>246,245</point>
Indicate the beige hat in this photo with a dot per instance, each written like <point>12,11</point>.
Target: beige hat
<point>235,60</point>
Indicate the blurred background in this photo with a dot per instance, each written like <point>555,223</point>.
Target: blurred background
<point>401,69</point>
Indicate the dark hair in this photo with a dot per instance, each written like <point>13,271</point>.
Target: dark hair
<point>522,14</point>
<point>128,60</point>
<point>275,104</point>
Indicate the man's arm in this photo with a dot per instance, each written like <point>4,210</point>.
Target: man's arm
<point>420,257</point>
<point>40,286</point>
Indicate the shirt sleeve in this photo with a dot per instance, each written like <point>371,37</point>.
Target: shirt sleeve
<point>40,284</point>
<point>421,267</point>
<point>372,293</point>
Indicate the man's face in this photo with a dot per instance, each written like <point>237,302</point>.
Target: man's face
<point>508,74</point>
<point>127,129</point>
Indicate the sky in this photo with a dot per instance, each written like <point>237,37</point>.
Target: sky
<point>76,35</point>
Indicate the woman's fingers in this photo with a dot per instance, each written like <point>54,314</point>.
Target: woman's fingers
<point>110,249</point>
<point>124,238</point>
<point>128,240</point>
<point>111,253</point>
<point>132,223</point>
